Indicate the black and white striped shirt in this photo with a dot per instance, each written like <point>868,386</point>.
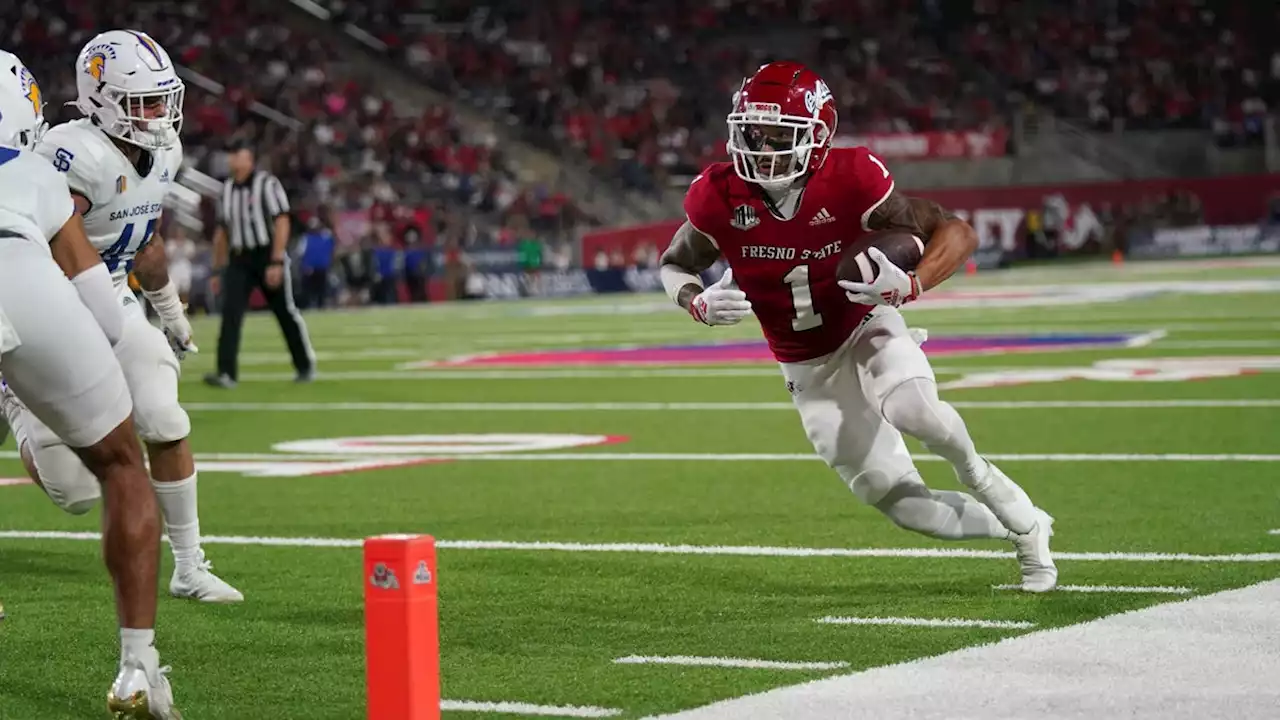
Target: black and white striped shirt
<point>249,209</point>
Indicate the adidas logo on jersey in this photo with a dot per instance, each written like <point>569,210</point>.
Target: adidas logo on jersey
<point>165,177</point>
<point>822,217</point>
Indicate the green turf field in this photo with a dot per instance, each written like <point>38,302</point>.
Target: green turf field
<point>671,543</point>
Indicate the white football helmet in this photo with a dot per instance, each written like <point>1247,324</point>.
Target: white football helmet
<point>21,109</point>
<point>128,86</point>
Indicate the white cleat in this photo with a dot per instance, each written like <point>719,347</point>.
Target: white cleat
<point>197,582</point>
<point>141,691</point>
<point>1039,574</point>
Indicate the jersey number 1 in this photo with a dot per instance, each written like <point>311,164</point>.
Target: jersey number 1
<point>802,299</point>
<point>111,256</point>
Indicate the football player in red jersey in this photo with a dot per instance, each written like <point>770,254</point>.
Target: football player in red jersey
<point>780,214</point>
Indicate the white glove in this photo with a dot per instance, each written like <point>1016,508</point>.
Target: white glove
<point>893,286</point>
<point>721,304</point>
<point>173,319</point>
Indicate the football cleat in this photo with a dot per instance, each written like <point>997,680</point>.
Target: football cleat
<point>141,691</point>
<point>197,582</point>
<point>1039,574</point>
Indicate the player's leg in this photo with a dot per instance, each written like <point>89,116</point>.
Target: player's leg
<point>67,375</point>
<point>280,300</point>
<point>236,288</point>
<point>872,459</point>
<point>50,463</point>
<point>152,372</point>
<point>900,381</point>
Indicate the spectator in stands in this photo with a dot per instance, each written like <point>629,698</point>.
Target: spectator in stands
<point>316,260</point>
<point>418,265</point>
<point>388,265</point>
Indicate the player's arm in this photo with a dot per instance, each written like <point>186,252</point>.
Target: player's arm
<point>949,241</point>
<point>77,257</point>
<point>689,253</point>
<point>151,267</point>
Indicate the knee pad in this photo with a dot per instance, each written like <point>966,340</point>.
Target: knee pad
<point>152,371</point>
<point>913,408</point>
<point>162,422</point>
<point>156,412</point>
<point>66,480</point>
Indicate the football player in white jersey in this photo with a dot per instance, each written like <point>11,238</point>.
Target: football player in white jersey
<point>119,161</point>
<point>56,340</point>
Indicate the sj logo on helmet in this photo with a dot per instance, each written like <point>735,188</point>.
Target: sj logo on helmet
<point>817,97</point>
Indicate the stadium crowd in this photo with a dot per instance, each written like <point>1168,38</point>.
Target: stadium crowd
<point>638,88</point>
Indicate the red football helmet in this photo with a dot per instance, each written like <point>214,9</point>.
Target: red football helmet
<point>781,126</point>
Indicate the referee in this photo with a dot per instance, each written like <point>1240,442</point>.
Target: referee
<point>250,250</point>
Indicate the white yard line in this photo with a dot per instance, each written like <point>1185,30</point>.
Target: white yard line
<point>624,406</point>
<point>929,622</point>
<point>1122,589</point>
<point>1274,532</point>
<point>1205,344</point>
<point>1175,661</point>
<point>666,549</point>
<point>709,457</point>
<point>725,662</point>
<point>519,708</point>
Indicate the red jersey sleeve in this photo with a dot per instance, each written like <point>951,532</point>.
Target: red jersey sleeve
<point>872,183</point>
<point>705,207</point>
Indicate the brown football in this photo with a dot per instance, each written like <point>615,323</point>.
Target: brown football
<point>900,246</point>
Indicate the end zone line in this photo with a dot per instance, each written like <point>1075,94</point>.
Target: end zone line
<point>725,662</point>
<point>519,708</point>
<point>1136,590</point>
<point>929,622</point>
<point>664,549</point>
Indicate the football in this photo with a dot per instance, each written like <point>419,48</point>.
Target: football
<point>900,246</point>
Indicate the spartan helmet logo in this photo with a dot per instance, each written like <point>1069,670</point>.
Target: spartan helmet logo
<point>33,92</point>
<point>96,64</point>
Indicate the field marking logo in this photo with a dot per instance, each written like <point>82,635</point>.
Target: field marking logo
<point>1172,369</point>
<point>323,457</point>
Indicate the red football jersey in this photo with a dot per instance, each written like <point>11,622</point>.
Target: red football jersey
<point>787,268</point>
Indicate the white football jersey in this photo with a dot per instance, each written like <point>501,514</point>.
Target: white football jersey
<point>34,200</point>
<point>124,207</point>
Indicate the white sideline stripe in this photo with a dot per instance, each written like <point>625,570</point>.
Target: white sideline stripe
<point>662,549</point>
<point>672,406</point>
<point>1135,589</point>
<point>760,369</point>
<point>929,622</point>
<point>1178,660</point>
<point>705,457</point>
<point>757,457</point>
<point>518,708</point>
<point>1274,532</point>
<point>1204,344</point>
<point>727,662</point>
